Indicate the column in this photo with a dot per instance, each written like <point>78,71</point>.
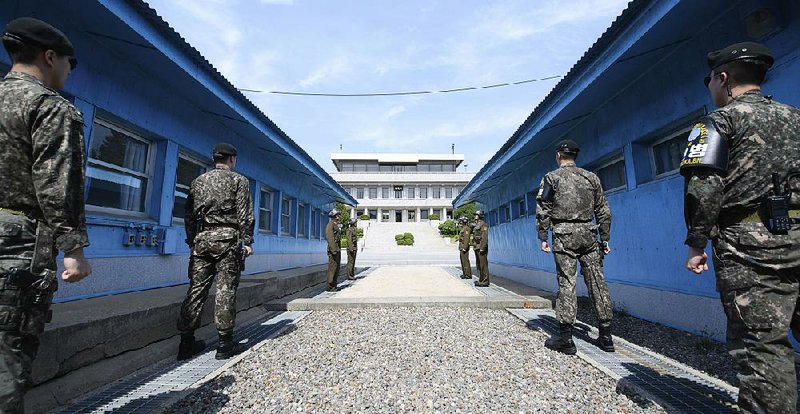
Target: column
<point>380,212</point>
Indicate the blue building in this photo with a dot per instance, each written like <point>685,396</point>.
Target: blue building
<point>153,109</point>
<point>629,102</point>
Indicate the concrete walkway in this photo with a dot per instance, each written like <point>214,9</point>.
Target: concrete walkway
<point>408,281</point>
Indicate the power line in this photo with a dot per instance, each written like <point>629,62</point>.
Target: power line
<point>403,93</point>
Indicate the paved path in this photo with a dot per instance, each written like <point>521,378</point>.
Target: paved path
<point>407,281</point>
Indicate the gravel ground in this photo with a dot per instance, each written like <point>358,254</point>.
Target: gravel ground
<point>411,360</point>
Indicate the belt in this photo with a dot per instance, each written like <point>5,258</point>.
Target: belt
<point>11,211</point>
<point>572,221</point>
<point>756,217</point>
<point>220,226</point>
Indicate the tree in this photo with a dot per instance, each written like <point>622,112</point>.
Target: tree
<point>344,210</point>
<point>466,210</point>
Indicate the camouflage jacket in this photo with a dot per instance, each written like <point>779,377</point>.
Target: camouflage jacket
<point>577,198</point>
<point>463,238</point>
<point>221,199</point>
<point>352,238</point>
<point>763,137</point>
<point>42,162</point>
<point>334,237</point>
<point>480,235</point>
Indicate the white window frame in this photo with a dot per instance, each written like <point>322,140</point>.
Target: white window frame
<point>301,219</point>
<point>264,189</point>
<point>191,158</point>
<point>610,161</point>
<point>285,230</point>
<point>147,175</point>
<point>653,152</point>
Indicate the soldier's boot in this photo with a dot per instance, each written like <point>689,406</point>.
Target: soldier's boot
<point>604,340</point>
<point>563,343</point>
<point>189,347</point>
<point>227,346</point>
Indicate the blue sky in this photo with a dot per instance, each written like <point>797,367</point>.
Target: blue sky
<point>348,46</point>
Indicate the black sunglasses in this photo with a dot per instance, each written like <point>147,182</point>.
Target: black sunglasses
<point>707,79</point>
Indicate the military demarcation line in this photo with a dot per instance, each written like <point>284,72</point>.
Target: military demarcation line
<point>392,337</point>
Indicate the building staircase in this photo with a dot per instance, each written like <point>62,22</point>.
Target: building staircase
<point>379,237</point>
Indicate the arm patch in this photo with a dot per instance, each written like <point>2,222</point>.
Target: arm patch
<point>707,147</point>
<point>545,191</point>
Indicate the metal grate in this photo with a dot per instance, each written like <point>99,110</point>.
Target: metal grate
<point>150,389</point>
<point>669,383</point>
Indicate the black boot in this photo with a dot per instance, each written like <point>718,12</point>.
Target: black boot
<point>189,347</point>
<point>563,343</point>
<point>227,347</point>
<point>604,340</point>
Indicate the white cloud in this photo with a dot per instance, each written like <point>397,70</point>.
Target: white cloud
<point>327,71</point>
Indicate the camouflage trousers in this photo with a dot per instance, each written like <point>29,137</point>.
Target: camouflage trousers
<point>466,269</point>
<point>591,261</point>
<point>23,313</point>
<point>202,271</point>
<point>482,263</point>
<point>761,304</point>
<point>334,261</point>
<point>351,264</point>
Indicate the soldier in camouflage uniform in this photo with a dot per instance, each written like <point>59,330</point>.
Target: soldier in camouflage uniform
<point>568,199</point>
<point>728,165</point>
<point>352,248</point>
<point>41,205</point>
<point>334,238</point>
<point>481,236</point>
<point>219,232</point>
<point>464,242</point>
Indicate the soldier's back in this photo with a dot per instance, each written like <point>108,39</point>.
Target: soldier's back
<point>215,195</point>
<point>574,190</point>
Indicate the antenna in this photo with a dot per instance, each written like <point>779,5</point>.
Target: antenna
<point>340,147</point>
<point>465,167</point>
<point>453,148</point>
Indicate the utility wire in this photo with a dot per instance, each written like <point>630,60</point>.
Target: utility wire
<point>340,95</point>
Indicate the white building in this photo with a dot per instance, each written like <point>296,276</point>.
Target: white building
<point>401,187</point>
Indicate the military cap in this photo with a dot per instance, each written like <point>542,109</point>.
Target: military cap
<point>480,213</point>
<point>568,146</point>
<point>224,149</point>
<point>333,213</point>
<point>744,50</point>
<point>36,32</point>
<point>462,219</point>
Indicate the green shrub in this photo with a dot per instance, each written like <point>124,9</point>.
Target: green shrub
<point>359,232</point>
<point>434,217</point>
<point>364,217</point>
<point>466,210</point>
<point>344,243</point>
<point>398,237</point>
<point>448,228</point>
<point>405,239</point>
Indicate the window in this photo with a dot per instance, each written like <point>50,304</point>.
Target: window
<point>531,196</point>
<point>505,214</point>
<point>286,215</point>
<point>314,224</point>
<point>188,169</point>
<point>436,192</point>
<point>398,193</point>
<point>118,168</point>
<point>373,214</point>
<point>301,220</point>
<point>423,214</point>
<point>384,215</point>
<point>373,193</point>
<point>423,192</point>
<point>448,192</point>
<point>437,212</point>
<point>667,153</point>
<point>265,210</point>
<point>384,192</point>
<point>521,211</point>
<point>612,175</point>
<point>409,192</point>
<point>360,193</point>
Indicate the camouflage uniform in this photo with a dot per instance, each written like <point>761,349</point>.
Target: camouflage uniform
<point>352,249</point>
<point>42,166</point>
<point>577,197</point>
<point>219,207</point>
<point>481,236</point>
<point>463,248</point>
<point>757,272</point>
<point>333,236</point>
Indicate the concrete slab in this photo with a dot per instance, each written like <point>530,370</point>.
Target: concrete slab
<point>482,302</point>
<point>407,281</point>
